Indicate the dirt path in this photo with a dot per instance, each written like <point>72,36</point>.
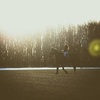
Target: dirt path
<point>46,85</point>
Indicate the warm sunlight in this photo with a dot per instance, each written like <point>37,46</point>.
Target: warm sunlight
<point>26,16</point>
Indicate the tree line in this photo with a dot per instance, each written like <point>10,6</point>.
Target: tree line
<point>33,50</point>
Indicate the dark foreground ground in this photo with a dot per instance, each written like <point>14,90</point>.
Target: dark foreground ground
<point>46,85</point>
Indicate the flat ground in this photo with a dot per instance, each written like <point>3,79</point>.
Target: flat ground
<point>46,85</point>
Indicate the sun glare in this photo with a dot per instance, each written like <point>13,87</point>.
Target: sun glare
<point>94,48</point>
<point>19,17</point>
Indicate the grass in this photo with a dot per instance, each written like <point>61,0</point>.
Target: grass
<point>46,85</point>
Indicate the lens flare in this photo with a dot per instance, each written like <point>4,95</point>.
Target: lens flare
<point>94,48</point>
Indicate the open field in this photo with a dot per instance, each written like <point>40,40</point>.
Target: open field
<point>46,85</point>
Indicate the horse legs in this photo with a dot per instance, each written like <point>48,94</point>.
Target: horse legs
<point>74,69</point>
<point>57,69</point>
<point>64,70</point>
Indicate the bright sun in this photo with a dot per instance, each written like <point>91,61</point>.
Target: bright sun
<point>26,16</point>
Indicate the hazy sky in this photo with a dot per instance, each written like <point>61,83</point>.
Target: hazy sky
<point>19,16</point>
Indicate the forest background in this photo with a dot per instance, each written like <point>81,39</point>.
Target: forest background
<point>32,50</point>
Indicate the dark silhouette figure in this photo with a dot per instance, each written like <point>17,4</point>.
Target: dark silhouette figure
<point>66,48</point>
<point>66,54</point>
<point>60,59</point>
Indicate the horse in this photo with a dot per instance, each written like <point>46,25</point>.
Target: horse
<point>61,59</point>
